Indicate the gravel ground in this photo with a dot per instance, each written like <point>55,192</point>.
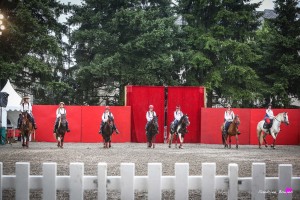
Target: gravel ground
<point>194,154</point>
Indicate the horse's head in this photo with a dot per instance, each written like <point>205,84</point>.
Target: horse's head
<point>154,120</point>
<point>236,120</point>
<point>24,117</point>
<point>185,120</point>
<point>63,119</point>
<point>285,118</point>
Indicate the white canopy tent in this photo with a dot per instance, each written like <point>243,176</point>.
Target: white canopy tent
<point>13,108</point>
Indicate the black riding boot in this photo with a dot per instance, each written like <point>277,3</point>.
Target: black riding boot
<point>67,126</point>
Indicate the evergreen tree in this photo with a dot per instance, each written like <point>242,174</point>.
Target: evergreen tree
<point>30,47</point>
<point>220,48</point>
<point>124,42</point>
<point>281,43</point>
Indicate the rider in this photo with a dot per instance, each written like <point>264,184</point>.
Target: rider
<point>59,111</point>
<point>149,116</point>
<point>228,117</point>
<point>105,118</point>
<point>26,107</point>
<point>269,116</point>
<point>177,116</point>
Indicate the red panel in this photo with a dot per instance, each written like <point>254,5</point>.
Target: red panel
<point>45,118</point>
<point>139,98</point>
<point>289,135</point>
<point>213,118</point>
<point>91,119</point>
<point>190,99</point>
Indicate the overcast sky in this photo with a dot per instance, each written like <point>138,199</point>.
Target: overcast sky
<point>266,4</point>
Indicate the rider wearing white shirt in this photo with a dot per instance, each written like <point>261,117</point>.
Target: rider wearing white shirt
<point>269,115</point>
<point>105,117</point>
<point>60,111</point>
<point>27,107</point>
<point>228,117</point>
<point>177,116</point>
<point>149,115</point>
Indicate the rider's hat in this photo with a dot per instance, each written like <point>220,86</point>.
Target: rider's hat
<point>269,104</point>
<point>151,106</point>
<point>107,107</point>
<point>228,106</point>
<point>26,97</point>
<point>61,103</point>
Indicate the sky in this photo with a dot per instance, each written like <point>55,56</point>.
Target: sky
<point>266,4</point>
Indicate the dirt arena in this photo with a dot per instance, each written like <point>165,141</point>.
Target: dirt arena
<point>194,154</point>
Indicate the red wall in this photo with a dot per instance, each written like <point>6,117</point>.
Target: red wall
<point>212,118</point>
<point>84,123</point>
<point>139,98</point>
<point>190,99</point>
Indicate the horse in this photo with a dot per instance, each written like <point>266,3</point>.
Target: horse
<point>107,131</point>
<point>273,131</point>
<point>232,131</point>
<point>61,130</point>
<point>151,132</point>
<point>26,129</point>
<point>180,131</point>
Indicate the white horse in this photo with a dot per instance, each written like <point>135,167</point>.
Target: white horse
<point>274,130</point>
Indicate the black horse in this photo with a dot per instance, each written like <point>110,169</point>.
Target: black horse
<point>107,131</point>
<point>180,130</point>
<point>151,132</point>
<point>61,130</point>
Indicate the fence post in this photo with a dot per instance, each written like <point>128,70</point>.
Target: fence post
<point>127,181</point>
<point>154,181</point>
<point>49,181</point>
<point>285,182</point>
<point>181,181</point>
<point>208,181</point>
<point>102,180</point>
<point>22,180</point>
<point>258,184</point>
<point>76,180</point>
<point>1,182</point>
<point>233,174</point>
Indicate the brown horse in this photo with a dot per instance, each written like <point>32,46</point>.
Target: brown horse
<point>151,132</point>
<point>107,132</point>
<point>232,131</point>
<point>61,130</point>
<point>180,131</point>
<point>26,129</point>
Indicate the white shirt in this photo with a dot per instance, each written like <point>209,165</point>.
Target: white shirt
<point>178,115</point>
<point>105,116</point>
<point>60,111</point>
<point>150,115</point>
<point>26,107</point>
<point>270,113</point>
<point>229,116</point>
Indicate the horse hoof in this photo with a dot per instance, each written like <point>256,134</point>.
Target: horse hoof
<point>169,146</point>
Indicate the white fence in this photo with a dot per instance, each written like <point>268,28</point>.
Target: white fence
<point>257,185</point>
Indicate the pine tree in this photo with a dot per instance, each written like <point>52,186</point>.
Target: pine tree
<point>125,42</point>
<point>219,47</point>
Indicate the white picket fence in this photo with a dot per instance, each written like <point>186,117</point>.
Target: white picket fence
<point>257,185</point>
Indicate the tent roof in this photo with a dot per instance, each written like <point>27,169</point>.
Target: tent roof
<point>14,98</point>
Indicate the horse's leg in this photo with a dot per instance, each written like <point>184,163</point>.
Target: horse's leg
<point>237,141</point>
<point>264,138</point>
<point>153,141</point>
<point>259,137</point>
<point>273,144</point>
<point>62,140</point>
<point>27,140</point>
<point>176,138</point>
<point>180,140</point>
<point>170,139</point>
<point>229,141</point>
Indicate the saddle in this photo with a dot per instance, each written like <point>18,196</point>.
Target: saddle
<point>268,126</point>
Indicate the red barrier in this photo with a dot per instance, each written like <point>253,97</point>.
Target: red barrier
<point>212,118</point>
<point>84,123</point>
<point>191,99</point>
<point>289,134</point>
<point>91,119</point>
<point>139,98</point>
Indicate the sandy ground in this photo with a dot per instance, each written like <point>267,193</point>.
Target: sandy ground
<point>194,154</point>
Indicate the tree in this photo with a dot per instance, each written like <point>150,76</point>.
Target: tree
<point>281,44</point>
<point>31,51</point>
<point>125,42</point>
<point>220,49</point>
